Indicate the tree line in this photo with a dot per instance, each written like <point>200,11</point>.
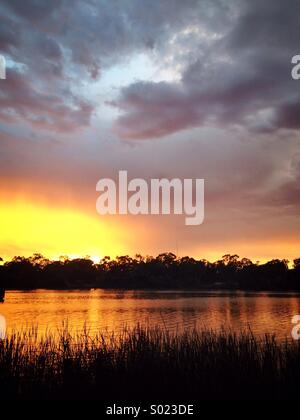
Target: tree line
<point>166,271</point>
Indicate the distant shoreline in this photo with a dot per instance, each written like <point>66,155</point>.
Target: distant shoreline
<point>164,272</point>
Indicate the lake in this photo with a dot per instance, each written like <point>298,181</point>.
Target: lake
<point>172,310</point>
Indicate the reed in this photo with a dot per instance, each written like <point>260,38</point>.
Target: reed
<point>147,364</point>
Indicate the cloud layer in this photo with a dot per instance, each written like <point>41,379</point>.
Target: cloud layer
<point>237,76</point>
<point>217,102</point>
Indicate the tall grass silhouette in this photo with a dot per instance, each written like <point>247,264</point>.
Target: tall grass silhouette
<point>149,364</point>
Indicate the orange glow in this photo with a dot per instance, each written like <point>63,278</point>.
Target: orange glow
<point>256,250</point>
<point>32,221</point>
<point>27,228</point>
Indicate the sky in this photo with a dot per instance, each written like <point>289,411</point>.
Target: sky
<point>196,89</point>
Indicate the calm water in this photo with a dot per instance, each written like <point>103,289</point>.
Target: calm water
<point>112,310</point>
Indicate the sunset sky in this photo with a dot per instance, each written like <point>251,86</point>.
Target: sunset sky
<point>168,88</point>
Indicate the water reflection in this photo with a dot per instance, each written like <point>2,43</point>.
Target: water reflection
<point>263,313</point>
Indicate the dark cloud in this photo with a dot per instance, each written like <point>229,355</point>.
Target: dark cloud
<point>9,33</point>
<point>289,115</point>
<point>154,110</point>
<point>21,99</point>
<point>62,43</point>
<point>33,10</point>
<point>234,59</point>
<point>242,77</point>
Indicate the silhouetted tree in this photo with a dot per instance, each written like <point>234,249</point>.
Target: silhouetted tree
<point>297,264</point>
<point>165,271</point>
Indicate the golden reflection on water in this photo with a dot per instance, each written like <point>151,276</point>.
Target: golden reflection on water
<point>175,311</point>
